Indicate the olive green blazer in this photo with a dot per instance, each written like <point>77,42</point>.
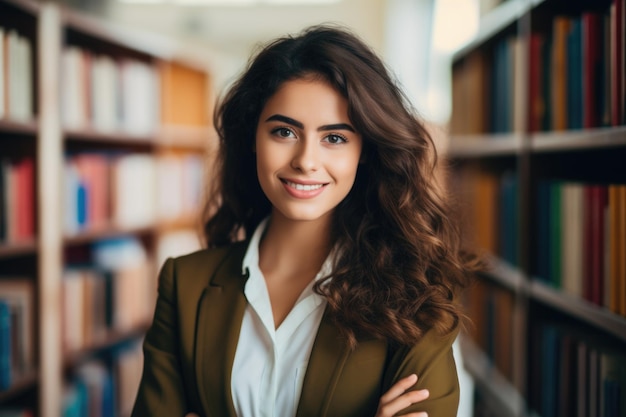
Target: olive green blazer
<point>190,347</point>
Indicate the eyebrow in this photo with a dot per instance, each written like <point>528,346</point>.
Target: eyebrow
<point>300,125</point>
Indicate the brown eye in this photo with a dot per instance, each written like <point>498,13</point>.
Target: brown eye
<point>283,132</point>
<point>335,139</point>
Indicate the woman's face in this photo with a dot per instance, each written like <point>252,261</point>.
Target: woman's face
<point>307,150</point>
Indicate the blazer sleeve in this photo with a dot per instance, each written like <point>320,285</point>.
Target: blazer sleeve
<point>161,391</point>
<point>431,359</point>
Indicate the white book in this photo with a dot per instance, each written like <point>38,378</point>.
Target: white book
<point>193,183</point>
<point>14,74</point>
<point>104,99</point>
<point>73,105</point>
<point>26,87</point>
<point>170,183</point>
<point>134,191</point>
<point>140,98</point>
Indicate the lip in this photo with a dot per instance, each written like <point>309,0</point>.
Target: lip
<point>288,183</point>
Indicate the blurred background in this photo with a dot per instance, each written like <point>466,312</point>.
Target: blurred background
<point>416,37</point>
<point>107,144</point>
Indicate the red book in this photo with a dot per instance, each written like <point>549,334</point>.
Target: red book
<point>592,66</point>
<point>24,171</point>
<point>595,201</point>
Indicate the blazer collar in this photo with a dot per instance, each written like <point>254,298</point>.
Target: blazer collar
<point>220,314</point>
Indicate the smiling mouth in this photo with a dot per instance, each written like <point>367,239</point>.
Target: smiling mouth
<point>303,187</point>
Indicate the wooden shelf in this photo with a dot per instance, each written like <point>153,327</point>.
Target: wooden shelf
<point>581,140</point>
<point>23,383</point>
<point>475,146</point>
<point>502,395</point>
<point>505,274</point>
<point>22,128</point>
<point>112,339</point>
<point>11,250</point>
<point>493,22</point>
<point>88,236</point>
<point>114,138</point>
<point>580,309</point>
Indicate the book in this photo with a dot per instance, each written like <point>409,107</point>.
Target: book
<point>184,92</point>
<point>572,238</point>
<point>19,295</point>
<point>558,73</point>
<point>133,183</point>
<point>592,50</point>
<point>6,354</point>
<point>536,103</point>
<point>617,65</point>
<point>574,79</point>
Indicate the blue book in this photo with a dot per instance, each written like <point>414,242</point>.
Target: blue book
<point>5,345</point>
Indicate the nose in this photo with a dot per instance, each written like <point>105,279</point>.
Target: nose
<point>306,157</point>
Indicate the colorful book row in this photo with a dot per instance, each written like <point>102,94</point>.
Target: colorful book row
<point>114,294</point>
<point>17,355</point>
<point>577,75</point>
<point>581,241</point>
<point>16,76</point>
<point>17,200</point>
<point>98,389</point>
<point>107,94</point>
<point>575,376</point>
<point>130,191</point>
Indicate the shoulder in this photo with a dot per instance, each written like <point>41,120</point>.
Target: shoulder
<point>432,354</point>
<point>205,258</point>
<point>202,266</point>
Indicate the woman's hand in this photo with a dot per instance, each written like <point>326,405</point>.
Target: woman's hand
<point>394,400</point>
<point>397,398</point>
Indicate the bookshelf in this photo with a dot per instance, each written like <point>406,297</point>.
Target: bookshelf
<point>537,144</point>
<point>93,137</point>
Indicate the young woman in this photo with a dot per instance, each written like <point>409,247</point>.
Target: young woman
<point>340,300</point>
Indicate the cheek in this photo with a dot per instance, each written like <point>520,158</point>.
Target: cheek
<point>347,167</point>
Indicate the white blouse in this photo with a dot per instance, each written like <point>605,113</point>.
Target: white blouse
<point>269,367</point>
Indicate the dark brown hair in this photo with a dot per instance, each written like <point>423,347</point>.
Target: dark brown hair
<point>400,264</point>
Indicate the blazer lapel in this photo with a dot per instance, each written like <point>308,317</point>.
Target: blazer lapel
<point>324,368</point>
<point>220,313</point>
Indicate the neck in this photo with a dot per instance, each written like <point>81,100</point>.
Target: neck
<point>296,245</point>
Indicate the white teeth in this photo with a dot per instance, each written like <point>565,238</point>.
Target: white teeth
<point>302,187</point>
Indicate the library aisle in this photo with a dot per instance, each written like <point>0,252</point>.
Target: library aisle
<point>105,135</point>
<point>538,140</point>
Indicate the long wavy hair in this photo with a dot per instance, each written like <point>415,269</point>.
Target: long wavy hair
<point>400,263</point>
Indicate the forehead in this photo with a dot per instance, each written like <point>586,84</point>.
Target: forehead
<point>307,100</point>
